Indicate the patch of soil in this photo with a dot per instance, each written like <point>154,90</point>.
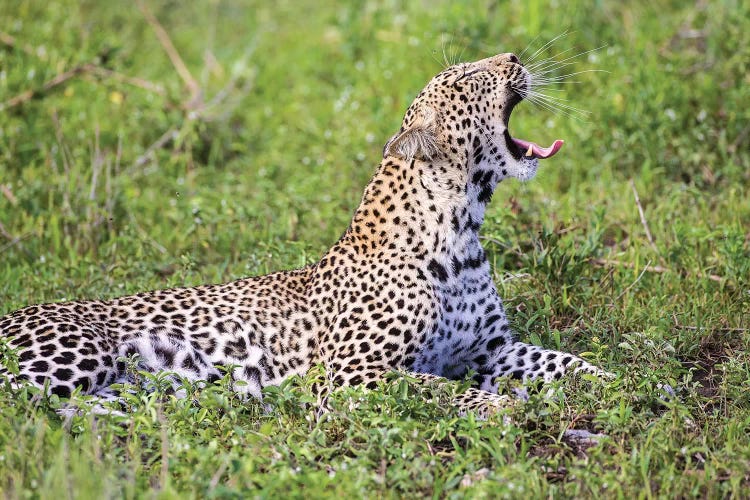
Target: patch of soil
<point>711,353</point>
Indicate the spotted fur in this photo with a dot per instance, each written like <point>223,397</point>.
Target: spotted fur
<point>407,287</point>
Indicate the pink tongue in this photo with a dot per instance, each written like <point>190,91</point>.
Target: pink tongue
<point>538,151</point>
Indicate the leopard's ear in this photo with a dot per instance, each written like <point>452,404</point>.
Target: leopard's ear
<point>416,140</point>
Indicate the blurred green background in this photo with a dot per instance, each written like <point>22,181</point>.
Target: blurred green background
<point>296,100</point>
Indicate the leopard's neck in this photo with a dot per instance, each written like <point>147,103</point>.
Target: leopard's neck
<point>431,210</point>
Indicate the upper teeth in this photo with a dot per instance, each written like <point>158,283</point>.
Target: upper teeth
<point>530,151</point>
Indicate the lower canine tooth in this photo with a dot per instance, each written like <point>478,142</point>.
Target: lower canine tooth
<point>530,152</point>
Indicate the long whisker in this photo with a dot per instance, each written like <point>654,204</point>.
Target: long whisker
<point>545,46</point>
<point>563,62</point>
<point>537,79</point>
<point>456,57</point>
<point>544,76</point>
<point>558,104</point>
<point>550,98</point>
<point>550,68</point>
<point>535,54</point>
<point>548,87</point>
<point>574,114</point>
<point>434,58</point>
<point>528,46</point>
<point>540,94</point>
<point>552,103</point>
<point>547,60</point>
<point>461,54</point>
<point>442,46</point>
<point>566,75</point>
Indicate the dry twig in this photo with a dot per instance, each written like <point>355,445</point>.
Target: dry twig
<point>653,269</point>
<point>722,329</point>
<point>502,244</point>
<point>628,265</point>
<point>8,194</point>
<point>103,72</point>
<point>64,77</point>
<point>643,217</point>
<point>633,283</point>
<point>5,234</point>
<point>196,98</point>
<point>29,94</point>
<point>11,42</point>
<point>12,240</point>
<point>194,104</point>
<point>158,144</point>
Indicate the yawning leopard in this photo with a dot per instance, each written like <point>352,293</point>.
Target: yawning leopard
<point>407,287</point>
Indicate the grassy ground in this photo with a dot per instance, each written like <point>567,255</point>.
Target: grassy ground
<point>120,174</point>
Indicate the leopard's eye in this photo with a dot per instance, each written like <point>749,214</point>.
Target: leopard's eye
<point>466,74</point>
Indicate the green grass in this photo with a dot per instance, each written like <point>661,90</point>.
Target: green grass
<point>267,177</point>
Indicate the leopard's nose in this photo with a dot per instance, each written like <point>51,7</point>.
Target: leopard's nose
<point>506,58</point>
<point>501,60</point>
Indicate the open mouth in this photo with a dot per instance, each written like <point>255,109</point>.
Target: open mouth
<point>521,148</point>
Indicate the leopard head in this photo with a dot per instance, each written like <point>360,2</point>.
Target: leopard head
<point>461,118</point>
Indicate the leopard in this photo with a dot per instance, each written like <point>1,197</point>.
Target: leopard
<point>407,287</point>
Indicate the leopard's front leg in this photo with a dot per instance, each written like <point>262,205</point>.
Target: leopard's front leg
<point>480,402</point>
<point>530,362</point>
